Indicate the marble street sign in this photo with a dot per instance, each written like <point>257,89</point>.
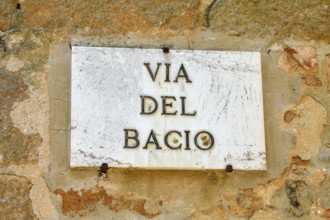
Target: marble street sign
<point>185,109</point>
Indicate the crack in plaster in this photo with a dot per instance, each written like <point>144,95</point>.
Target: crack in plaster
<point>104,159</point>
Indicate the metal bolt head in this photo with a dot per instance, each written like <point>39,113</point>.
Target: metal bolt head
<point>229,168</point>
<point>166,50</point>
<point>104,168</point>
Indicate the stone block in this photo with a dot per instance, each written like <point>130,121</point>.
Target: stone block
<point>60,115</point>
<point>59,74</point>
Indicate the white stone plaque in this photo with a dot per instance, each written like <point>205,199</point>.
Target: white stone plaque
<point>184,109</point>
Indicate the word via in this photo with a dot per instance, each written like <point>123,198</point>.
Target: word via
<point>182,73</point>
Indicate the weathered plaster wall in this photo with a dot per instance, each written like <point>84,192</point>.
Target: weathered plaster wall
<point>35,39</point>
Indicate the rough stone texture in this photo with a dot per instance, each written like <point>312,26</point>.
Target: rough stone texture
<point>14,64</point>
<point>15,202</point>
<point>242,205</point>
<point>15,147</point>
<point>328,71</point>
<point>293,37</point>
<point>308,131</point>
<point>7,8</point>
<point>304,20</point>
<point>113,16</point>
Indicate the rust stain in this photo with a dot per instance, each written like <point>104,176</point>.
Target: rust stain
<point>302,60</point>
<point>291,59</point>
<point>289,116</point>
<point>290,50</point>
<point>72,201</point>
<point>299,162</point>
<point>325,214</point>
<point>207,142</point>
<point>139,208</point>
<point>75,201</point>
<point>313,81</point>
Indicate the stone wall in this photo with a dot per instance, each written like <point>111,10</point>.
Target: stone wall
<point>35,49</point>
